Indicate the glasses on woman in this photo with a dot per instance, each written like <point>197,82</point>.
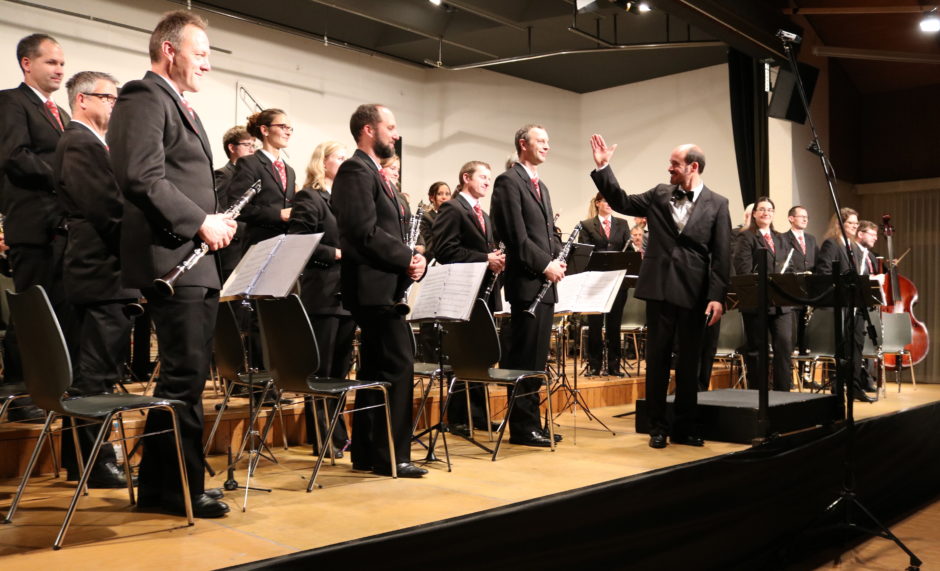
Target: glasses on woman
<point>287,128</point>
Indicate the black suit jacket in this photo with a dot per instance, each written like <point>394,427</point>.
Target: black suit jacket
<point>320,282</point>
<point>688,268</point>
<point>262,216</point>
<point>28,138</point>
<point>750,246</point>
<point>162,161</point>
<point>800,262</point>
<point>832,250</point>
<point>458,239</point>
<point>222,176</point>
<point>93,208</point>
<point>592,232</point>
<point>526,225</point>
<point>372,235</point>
<point>427,223</point>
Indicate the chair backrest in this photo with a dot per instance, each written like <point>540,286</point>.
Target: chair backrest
<point>731,335</point>
<point>290,347</point>
<point>472,346</point>
<point>634,312</point>
<point>820,333</point>
<point>47,370</point>
<point>227,346</point>
<point>896,327</point>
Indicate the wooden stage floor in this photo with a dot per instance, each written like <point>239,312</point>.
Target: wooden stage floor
<point>107,532</point>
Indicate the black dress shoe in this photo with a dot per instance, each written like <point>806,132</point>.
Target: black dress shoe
<point>862,397</point>
<point>26,413</point>
<point>812,385</point>
<point>616,374</point>
<point>657,441</point>
<point>558,437</point>
<point>593,373</point>
<point>481,425</point>
<point>215,493</point>
<point>203,506</point>
<point>533,438</point>
<point>361,467</point>
<point>403,470</point>
<point>688,440</point>
<point>459,429</point>
<point>103,476</point>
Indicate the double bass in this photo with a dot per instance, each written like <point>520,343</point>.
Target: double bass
<point>901,295</point>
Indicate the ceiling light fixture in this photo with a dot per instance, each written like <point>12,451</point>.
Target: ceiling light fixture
<point>930,22</point>
<point>435,2</point>
<point>585,6</point>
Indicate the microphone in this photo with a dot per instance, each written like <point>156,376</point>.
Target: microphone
<point>786,36</point>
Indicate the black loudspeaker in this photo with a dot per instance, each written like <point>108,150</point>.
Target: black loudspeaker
<point>785,102</point>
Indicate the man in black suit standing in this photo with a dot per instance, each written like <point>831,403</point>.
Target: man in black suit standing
<point>31,124</point>
<point>162,161</point>
<point>376,268</point>
<point>237,143</point>
<point>463,233</point>
<point>608,233</point>
<point>92,273</point>
<point>805,251</point>
<point>522,213</point>
<point>684,278</point>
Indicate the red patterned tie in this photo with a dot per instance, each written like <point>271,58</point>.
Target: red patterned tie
<point>770,241</point>
<point>282,172</point>
<point>479,213</point>
<point>802,243</point>
<point>607,228</point>
<point>871,268</point>
<point>391,193</point>
<point>538,191</point>
<point>192,114</point>
<point>54,110</point>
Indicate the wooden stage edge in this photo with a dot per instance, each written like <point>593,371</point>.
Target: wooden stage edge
<point>350,505</point>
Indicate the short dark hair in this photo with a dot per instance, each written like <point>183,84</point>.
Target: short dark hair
<point>866,225</point>
<point>84,81</point>
<point>170,29</point>
<point>365,114</point>
<point>793,209</point>
<point>234,136</point>
<point>260,118</point>
<point>695,155</point>
<point>28,47</point>
<point>523,133</point>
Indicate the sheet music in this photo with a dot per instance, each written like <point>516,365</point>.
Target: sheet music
<point>588,292</point>
<point>270,267</point>
<point>448,292</point>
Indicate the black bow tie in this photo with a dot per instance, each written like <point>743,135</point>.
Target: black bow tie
<point>679,194</point>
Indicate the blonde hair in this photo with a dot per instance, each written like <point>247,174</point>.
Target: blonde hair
<point>468,168</point>
<point>316,169</point>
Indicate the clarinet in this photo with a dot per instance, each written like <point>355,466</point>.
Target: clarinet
<point>165,284</point>
<point>401,306</point>
<point>492,282</point>
<point>561,257</point>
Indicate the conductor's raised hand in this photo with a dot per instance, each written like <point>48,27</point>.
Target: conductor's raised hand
<point>217,230</point>
<point>602,153</point>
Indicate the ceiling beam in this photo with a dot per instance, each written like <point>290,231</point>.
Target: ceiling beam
<point>876,55</point>
<point>911,8</point>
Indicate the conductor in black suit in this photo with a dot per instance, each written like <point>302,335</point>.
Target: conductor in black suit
<point>377,267</point>
<point>608,234</point>
<point>93,205</point>
<point>760,239</point>
<point>162,161</point>
<point>320,292</point>
<point>463,233</point>
<point>30,127</point>
<point>684,278</point>
<point>522,213</point>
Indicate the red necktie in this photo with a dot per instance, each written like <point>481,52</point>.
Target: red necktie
<point>802,243</point>
<point>538,191</point>
<point>770,241</point>
<point>192,114</point>
<point>607,228</point>
<point>479,213</point>
<point>282,172</point>
<point>871,268</point>
<point>391,193</point>
<point>51,106</point>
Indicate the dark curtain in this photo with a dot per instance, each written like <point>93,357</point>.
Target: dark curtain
<point>749,124</point>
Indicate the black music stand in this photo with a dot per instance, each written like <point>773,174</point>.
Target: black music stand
<point>447,295</point>
<point>268,269</point>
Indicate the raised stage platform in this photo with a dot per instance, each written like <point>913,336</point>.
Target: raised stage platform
<point>599,500</point>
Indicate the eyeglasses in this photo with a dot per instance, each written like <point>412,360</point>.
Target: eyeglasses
<point>244,144</point>
<point>106,96</point>
<point>800,216</point>
<point>284,126</point>
<point>767,210</point>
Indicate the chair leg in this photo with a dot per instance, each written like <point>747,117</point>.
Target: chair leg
<point>29,467</point>
<point>505,423</point>
<point>78,454</point>
<point>83,480</point>
<point>913,378</point>
<point>327,444</point>
<point>551,425</point>
<point>218,417</point>
<point>425,395</point>
<point>127,461</point>
<point>184,480</point>
<point>334,420</point>
<point>391,438</point>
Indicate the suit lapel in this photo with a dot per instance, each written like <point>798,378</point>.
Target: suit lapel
<point>194,123</point>
<point>268,168</point>
<point>473,217</point>
<point>40,107</point>
<point>700,205</point>
<point>527,183</point>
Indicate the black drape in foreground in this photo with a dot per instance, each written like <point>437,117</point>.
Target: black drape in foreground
<point>749,124</point>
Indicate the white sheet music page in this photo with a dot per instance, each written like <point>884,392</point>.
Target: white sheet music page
<point>448,292</point>
<point>270,267</point>
<point>588,292</point>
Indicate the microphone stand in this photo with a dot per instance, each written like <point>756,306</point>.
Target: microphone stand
<point>847,501</point>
